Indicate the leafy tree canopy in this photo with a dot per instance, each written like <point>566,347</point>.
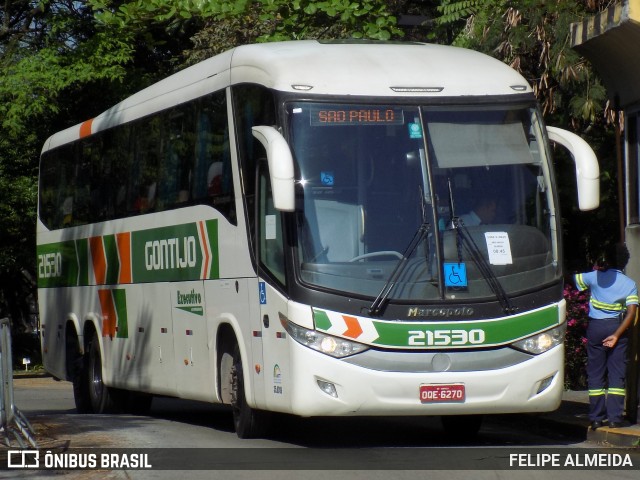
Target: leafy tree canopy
<point>533,37</point>
<point>48,50</point>
<point>262,20</point>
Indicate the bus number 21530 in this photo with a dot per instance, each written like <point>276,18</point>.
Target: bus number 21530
<point>441,338</point>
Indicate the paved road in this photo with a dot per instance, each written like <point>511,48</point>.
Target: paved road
<point>177,424</point>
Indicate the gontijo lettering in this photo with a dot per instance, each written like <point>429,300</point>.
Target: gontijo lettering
<point>170,253</point>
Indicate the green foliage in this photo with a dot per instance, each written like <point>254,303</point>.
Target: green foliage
<point>456,11</point>
<point>575,343</point>
<point>48,50</point>
<point>31,84</point>
<point>532,36</point>
<point>286,20</point>
<point>589,103</point>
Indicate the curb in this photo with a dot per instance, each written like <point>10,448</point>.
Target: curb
<point>18,376</point>
<point>572,417</point>
<point>626,437</point>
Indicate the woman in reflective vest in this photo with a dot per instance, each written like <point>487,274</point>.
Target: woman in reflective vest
<point>612,309</point>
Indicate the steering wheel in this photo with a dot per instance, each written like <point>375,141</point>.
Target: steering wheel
<point>381,253</point>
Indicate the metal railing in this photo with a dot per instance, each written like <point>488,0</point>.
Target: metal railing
<point>13,425</point>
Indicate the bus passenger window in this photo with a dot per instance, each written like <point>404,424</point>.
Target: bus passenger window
<point>213,179</point>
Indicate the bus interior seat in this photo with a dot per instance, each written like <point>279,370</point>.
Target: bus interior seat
<point>341,228</point>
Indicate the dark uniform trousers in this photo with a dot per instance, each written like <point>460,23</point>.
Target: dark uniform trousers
<point>604,364</point>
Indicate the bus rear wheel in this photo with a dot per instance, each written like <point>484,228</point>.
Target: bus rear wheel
<point>248,422</point>
<point>99,395</point>
<point>76,368</point>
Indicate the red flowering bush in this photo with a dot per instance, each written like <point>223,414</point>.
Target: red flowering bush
<point>575,343</point>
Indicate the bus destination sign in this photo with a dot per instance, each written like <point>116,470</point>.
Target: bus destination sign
<point>334,115</point>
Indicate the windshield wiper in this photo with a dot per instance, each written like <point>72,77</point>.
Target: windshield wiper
<point>483,266</point>
<point>381,300</point>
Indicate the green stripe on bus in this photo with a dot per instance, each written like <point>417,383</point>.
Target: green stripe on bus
<point>439,334</point>
<point>120,302</point>
<point>113,262</point>
<point>174,253</point>
<point>57,264</point>
<point>82,255</point>
<point>212,233</point>
<point>494,332</point>
<point>166,254</point>
<point>321,320</point>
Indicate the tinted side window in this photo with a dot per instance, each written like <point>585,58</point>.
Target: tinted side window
<point>168,160</point>
<point>253,105</point>
<point>213,180</point>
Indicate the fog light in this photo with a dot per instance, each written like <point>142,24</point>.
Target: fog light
<point>544,384</point>
<point>328,388</point>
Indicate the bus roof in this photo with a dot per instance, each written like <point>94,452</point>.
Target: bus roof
<point>316,67</point>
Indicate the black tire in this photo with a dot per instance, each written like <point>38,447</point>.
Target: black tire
<point>100,396</point>
<point>462,427</point>
<point>248,422</point>
<point>77,365</point>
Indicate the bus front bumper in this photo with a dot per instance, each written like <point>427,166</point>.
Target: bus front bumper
<point>324,386</point>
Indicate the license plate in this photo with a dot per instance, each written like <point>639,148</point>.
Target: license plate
<point>440,393</point>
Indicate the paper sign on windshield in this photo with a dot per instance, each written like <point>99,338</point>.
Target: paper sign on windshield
<point>499,248</point>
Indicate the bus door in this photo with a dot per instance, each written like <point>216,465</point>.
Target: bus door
<point>273,304</point>
<point>275,352</point>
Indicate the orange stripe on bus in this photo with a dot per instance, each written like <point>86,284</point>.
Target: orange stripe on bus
<point>109,316</point>
<point>85,128</point>
<point>207,256</point>
<point>99,260</point>
<point>354,330</point>
<point>124,250</point>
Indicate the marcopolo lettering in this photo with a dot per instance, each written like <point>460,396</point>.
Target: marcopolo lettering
<point>170,253</point>
<point>440,312</point>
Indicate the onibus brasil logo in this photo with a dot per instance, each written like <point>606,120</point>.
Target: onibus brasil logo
<point>82,459</point>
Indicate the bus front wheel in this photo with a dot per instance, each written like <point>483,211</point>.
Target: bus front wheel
<point>248,422</point>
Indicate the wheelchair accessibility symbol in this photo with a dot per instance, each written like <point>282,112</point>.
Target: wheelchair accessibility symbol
<point>262,291</point>
<point>455,275</point>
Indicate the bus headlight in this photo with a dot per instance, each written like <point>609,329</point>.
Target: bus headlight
<point>327,344</point>
<point>542,342</point>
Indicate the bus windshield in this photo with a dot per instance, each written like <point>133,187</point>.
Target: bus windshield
<point>372,176</point>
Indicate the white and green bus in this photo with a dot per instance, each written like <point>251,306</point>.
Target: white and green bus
<point>288,227</point>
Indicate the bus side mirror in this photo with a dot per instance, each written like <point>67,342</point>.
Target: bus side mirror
<point>280,167</point>
<point>587,169</point>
